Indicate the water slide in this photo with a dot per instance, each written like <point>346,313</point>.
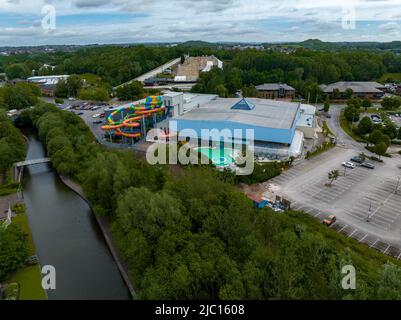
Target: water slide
<point>123,120</point>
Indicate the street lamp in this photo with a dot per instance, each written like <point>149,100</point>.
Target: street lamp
<point>369,213</point>
<point>398,184</point>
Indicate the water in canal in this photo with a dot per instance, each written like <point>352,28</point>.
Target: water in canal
<point>67,235</point>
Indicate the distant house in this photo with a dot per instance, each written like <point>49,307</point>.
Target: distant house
<point>276,90</point>
<point>361,89</point>
<point>48,90</point>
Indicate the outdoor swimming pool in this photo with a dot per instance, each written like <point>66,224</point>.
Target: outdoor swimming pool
<point>220,157</point>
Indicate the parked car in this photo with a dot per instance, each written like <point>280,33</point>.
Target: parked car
<point>97,122</point>
<point>330,220</point>
<point>357,159</point>
<point>80,113</point>
<point>102,115</point>
<point>367,165</point>
<point>32,260</point>
<point>95,108</point>
<point>96,115</point>
<point>349,165</point>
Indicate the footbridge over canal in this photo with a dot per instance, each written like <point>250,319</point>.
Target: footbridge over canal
<point>19,166</point>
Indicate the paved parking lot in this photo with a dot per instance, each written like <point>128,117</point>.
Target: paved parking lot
<point>360,194</point>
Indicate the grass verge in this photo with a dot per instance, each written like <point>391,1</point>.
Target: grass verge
<point>347,129</point>
<point>28,277</point>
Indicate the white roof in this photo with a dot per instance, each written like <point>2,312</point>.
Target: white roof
<point>266,113</point>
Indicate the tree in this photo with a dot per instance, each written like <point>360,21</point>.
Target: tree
<point>354,102</point>
<point>336,94</point>
<point>17,70</point>
<point>391,103</point>
<point>380,148</point>
<point>366,103</point>
<point>249,91</point>
<point>95,94</point>
<point>390,129</point>
<point>13,250</point>
<point>132,91</point>
<point>222,91</point>
<point>365,126</point>
<point>333,175</point>
<point>326,106</point>
<point>375,136</point>
<point>351,114</point>
<point>389,287</point>
<point>349,93</point>
<point>74,83</point>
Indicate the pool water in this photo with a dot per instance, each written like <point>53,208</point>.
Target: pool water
<point>220,157</point>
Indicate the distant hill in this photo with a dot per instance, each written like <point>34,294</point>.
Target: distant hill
<point>316,44</point>
<point>199,44</point>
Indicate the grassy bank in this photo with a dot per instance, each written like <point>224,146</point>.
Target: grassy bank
<point>326,130</point>
<point>348,130</point>
<point>28,277</point>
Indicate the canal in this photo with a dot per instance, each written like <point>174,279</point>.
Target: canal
<point>67,236</point>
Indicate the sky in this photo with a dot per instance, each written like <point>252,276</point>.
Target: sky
<point>44,22</point>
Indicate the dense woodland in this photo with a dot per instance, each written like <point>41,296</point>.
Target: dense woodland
<point>12,146</point>
<point>205,240</point>
<point>303,69</point>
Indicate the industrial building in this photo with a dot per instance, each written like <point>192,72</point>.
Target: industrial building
<point>48,84</point>
<point>360,89</point>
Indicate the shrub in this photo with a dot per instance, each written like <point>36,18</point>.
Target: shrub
<point>11,291</point>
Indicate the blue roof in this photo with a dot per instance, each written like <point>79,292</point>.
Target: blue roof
<point>243,104</point>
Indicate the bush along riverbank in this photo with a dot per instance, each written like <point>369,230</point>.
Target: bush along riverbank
<point>21,279</point>
<point>189,234</point>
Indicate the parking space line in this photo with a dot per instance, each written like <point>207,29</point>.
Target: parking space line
<point>351,234</point>
<point>386,249</point>
<point>363,237</point>
<point>343,228</point>
<point>373,243</point>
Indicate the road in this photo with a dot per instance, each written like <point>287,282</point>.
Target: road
<point>153,72</point>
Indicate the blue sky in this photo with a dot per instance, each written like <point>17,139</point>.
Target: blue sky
<point>125,21</point>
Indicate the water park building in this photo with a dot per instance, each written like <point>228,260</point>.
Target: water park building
<point>279,127</point>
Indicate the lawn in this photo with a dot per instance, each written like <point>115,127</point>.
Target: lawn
<point>345,126</point>
<point>394,76</point>
<point>327,130</point>
<point>28,277</point>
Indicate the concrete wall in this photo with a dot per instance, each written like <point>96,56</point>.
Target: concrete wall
<point>260,133</point>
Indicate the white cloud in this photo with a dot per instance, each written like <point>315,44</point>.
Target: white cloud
<point>210,20</point>
<point>389,26</point>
